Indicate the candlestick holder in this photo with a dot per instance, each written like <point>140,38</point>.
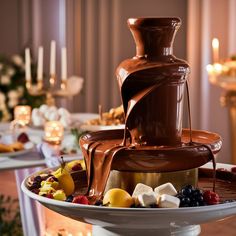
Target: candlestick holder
<point>224,75</point>
<point>51,92</point>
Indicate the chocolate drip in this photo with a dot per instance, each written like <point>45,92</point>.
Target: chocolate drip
<point>212,157</point>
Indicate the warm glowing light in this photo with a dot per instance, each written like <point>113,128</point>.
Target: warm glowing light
<point>53,132</point>
<point>218,67</point>
<point>210,68</point>
<point>215,48</point>
<point>22,114</point>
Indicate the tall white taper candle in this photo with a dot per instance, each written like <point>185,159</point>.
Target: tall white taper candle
<point>63,64</point>
<point>53,58</point>
<point>40,64</point>
<point>27,65</point>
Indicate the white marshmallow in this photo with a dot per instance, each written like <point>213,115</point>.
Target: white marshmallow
<point>168,201</point>
<point>167,188</point>
<point>147,199</point>
<point>141,189</point>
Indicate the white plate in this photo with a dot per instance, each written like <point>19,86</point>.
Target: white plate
<point>16,153</point>
<point>9,139</point>
<point>137,221</point>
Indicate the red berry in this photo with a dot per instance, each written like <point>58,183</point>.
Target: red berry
<point>81,200</point>
<point>49,195</point>
<point>77,167</point>
<point>233,169</point>
<point>23,138</point>
<point>211,198</point>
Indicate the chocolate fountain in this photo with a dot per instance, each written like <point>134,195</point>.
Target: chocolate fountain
<point>153,148</point>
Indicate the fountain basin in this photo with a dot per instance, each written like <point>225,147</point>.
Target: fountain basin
<point>137,221</point>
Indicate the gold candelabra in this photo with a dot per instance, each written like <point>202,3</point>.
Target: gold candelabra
<point>51,92</point>
<point>223,74</point>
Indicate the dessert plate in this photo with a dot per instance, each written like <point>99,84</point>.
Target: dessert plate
<point>139,221</point>
<point>9,139</point>
<point>26,150</point>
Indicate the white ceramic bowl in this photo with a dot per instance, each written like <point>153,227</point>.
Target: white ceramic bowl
<point>137,221</point>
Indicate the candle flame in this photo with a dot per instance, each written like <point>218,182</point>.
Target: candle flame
<point>215,43</point>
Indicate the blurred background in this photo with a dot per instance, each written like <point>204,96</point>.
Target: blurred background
<point>97,38</point>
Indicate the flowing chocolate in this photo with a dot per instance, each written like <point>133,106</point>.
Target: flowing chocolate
<point>152,88</point>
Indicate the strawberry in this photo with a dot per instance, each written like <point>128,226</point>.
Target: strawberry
<point>211,198</point>
<point>81,200</point>
<point>49,195</point>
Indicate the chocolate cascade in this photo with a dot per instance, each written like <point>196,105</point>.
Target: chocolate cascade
<point>152,87</point>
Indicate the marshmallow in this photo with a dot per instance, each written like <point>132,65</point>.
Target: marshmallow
<point>141,189</point>
<point>167,188</point>
<point>168,201</point>
<point>147,199</point>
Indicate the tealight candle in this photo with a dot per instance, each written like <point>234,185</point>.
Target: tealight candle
<point>53,132</point>
<point>22,114</point>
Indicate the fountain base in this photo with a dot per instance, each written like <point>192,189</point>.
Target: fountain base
<point>128,180</point>
<point>190,230</point>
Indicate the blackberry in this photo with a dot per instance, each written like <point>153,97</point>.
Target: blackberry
<point>190,197</point>
<point>38,179</point>
<point>187,190</point>
<point>69,198</point>
<point>98,203</point>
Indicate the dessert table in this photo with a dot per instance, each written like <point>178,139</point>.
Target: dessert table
<point>33,159</point>
<point>32,213</point>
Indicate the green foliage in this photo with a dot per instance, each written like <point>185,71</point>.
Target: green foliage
<point>12,86</point>
<point>10,222</point>
<point>77,133</point>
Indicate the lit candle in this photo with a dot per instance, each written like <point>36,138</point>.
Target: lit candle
<point>27,65</point>
<point>40,64</point>
<point>63,64</point>
<point>53,58</point>
<point>53,132</point>
<point>22,114</point>
<point>215,47</point>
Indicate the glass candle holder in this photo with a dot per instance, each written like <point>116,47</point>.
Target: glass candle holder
<point>53,132</point>
<point>22,114</point>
